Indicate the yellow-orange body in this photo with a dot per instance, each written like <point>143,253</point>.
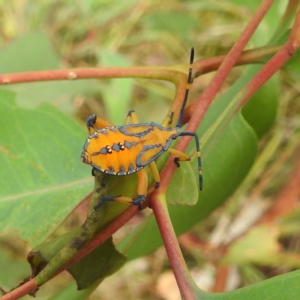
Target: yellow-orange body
<point>123,150</point>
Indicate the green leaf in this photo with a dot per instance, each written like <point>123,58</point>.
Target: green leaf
<point>42,177</point>
<point>183,180</point>
<point>246,249</point>
<point>40,152</point>
<point>269,253</point>
<point>280,287</point>
<point>48,258</point>
<point>261,111</point>
<point>171,21</point>
<point>118,93</point>
<point>15,270</point>
<point>38,55</point>
<point>100,263</point>
<point>71,292</point>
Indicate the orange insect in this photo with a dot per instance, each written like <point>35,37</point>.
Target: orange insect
<point>125,150</point>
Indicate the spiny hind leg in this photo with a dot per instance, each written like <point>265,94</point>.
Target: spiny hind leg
<point>94,122</point>
<point>132,118</point>
<point>141,193</point>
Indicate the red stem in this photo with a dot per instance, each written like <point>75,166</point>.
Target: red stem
<point>182,275</point>
<point>161,73</point>
<point>254,56</point>
<point>276,62</point>
<point>21,291</point>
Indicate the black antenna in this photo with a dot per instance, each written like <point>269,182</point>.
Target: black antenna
<point>188,84</point>
<point>193,134</point>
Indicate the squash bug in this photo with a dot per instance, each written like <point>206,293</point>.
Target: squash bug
<point>125,150</point>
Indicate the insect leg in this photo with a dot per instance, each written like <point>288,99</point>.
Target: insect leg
<point>141,193</point>
<point>93,122</point>
<point>156,176</point>
<point>141,188</point>
<point>133,117</point>
<point>120,199</point>
<point>184,157</point>
<point>181,156</point>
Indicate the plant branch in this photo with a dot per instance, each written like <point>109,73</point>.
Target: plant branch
<point>275,63</point>
<point>202,103</point>
<point>254,56</point>
<point>106,233</point>
<point>89,247</point>
<point>184,280</point>
<point>204,100</point>
<point>161,73</point>
<point>20,291</point>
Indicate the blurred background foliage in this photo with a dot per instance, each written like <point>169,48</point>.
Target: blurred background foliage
<point>95,33</point>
